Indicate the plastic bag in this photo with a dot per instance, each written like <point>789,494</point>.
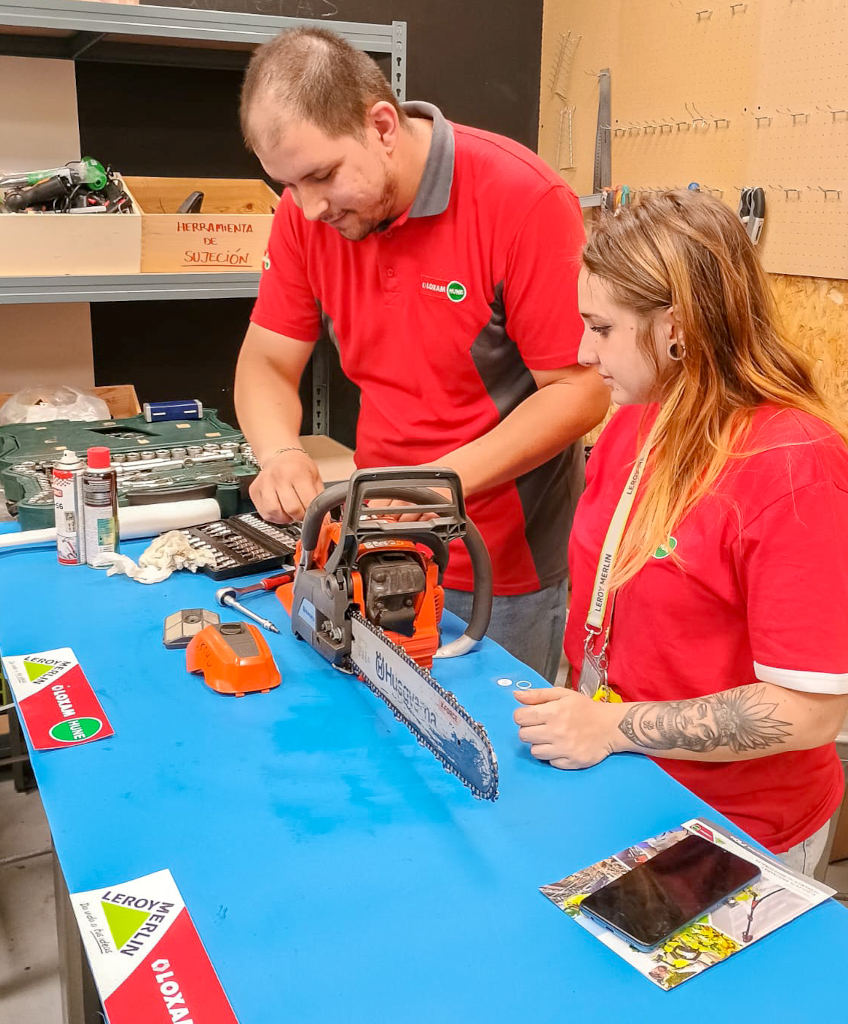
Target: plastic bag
<point>39,404</point>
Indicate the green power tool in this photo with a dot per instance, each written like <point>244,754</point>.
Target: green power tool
<point>87,171</point>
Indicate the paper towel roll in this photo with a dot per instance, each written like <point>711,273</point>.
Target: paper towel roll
<point>135,521</point>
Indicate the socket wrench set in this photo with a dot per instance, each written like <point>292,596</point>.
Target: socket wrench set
<point>154,462</point>
<point>244,544</point>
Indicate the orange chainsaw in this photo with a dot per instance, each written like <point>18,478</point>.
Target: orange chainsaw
<point>367,595</point>
<point>388,570</point>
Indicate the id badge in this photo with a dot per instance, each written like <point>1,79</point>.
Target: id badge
<point>593,676</point>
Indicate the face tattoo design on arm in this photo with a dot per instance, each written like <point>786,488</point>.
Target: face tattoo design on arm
<point>739,719</point>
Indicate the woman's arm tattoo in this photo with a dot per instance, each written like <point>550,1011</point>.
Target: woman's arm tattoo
<point>741,719</point>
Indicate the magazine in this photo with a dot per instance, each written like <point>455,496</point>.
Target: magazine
<point>778,896</point>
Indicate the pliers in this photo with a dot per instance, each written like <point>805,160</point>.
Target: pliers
<point>752,211</point>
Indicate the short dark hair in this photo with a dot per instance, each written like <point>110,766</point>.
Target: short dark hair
<point>316,76</point>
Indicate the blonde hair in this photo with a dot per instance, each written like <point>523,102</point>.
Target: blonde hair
<point>688,252</point>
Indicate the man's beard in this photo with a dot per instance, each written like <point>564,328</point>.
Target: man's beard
<point>378,218</point>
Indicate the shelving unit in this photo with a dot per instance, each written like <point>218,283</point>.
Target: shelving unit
<point>173,37</point>
<point>127,287</point>
<point>177,37</point>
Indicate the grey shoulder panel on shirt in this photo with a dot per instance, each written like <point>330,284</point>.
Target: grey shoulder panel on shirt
<point>548,493</point>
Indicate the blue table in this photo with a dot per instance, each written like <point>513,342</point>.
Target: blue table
<point>334,871</point>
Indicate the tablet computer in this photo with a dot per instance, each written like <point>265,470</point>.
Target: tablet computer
<point>674,888</point>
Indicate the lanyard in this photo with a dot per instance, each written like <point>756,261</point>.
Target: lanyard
<point>600,594</point>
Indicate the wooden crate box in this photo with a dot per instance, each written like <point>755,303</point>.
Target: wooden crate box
<point>229,234</point>
<point>53,244</point>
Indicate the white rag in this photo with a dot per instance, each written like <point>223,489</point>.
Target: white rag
<point>168,552</point>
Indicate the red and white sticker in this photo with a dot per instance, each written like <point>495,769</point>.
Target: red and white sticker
<point>146,957</point>
<point>55,700</point>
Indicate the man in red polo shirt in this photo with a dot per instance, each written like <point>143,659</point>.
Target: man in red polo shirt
<point>442,263</point>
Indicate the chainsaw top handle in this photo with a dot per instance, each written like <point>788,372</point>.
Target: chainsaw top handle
<point>411,484</point>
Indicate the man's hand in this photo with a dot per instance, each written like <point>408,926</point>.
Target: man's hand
<point>410,517</point>
<point>286,485</point>
<point>565,727</point>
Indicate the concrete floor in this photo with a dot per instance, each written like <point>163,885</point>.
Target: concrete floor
<point>29,956</point>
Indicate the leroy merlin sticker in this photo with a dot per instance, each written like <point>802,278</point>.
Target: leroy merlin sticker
<point>145,954</point>
<point>56,702</point>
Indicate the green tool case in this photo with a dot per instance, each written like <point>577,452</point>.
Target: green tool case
<point>175,460</point>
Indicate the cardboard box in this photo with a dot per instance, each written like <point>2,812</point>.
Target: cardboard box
<point>121,399</point>
<point>229,234</point>
<point>334,460</point>
<point>53,244</point>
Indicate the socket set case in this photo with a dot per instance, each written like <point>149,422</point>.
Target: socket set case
<point>244,544</point>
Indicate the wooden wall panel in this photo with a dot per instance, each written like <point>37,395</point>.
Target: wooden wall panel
<point>728,95</point>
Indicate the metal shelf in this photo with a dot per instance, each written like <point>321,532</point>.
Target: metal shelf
<point>128,287</point>
<point>169,35</point>
<point>173,36</point>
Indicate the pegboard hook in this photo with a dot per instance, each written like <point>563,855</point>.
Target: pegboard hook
<point>830,194</point>
<point>833,113</point>
<point>697,116</point>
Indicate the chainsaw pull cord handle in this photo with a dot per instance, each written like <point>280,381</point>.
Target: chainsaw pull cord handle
<point>481,564</point>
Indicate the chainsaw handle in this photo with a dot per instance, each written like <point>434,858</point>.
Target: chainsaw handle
<point>481,600</point>
<point>335,496</point>
<point>319,507</point>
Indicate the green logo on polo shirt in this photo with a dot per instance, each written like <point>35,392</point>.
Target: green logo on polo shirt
<point>456,291</point>
<point>664,550</point>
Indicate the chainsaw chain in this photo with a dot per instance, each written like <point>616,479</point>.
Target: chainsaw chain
<point>491,793</point>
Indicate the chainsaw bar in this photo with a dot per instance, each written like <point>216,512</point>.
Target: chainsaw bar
<point>431,713</point>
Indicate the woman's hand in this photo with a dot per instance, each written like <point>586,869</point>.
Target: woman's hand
<point>565,727</point>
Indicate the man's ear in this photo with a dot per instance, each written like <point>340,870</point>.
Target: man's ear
<point>383,119</point>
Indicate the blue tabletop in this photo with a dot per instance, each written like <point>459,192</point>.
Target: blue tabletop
<point>334,871</point>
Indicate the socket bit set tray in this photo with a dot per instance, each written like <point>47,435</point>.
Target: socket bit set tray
<point>168,461</point>
<point>244,544</point>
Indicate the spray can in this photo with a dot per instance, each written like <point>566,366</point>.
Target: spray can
<point>100,505</point>
<point>67,504</point>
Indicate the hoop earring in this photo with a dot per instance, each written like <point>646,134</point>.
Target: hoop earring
<point>676,350</point>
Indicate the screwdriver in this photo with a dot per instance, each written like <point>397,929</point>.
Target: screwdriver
<point>269,583</point>
<point>228,596</point>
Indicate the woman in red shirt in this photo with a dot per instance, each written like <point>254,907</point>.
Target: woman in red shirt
<point>709,553</point>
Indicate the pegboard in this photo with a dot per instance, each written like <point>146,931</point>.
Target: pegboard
<point>725,94</point>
